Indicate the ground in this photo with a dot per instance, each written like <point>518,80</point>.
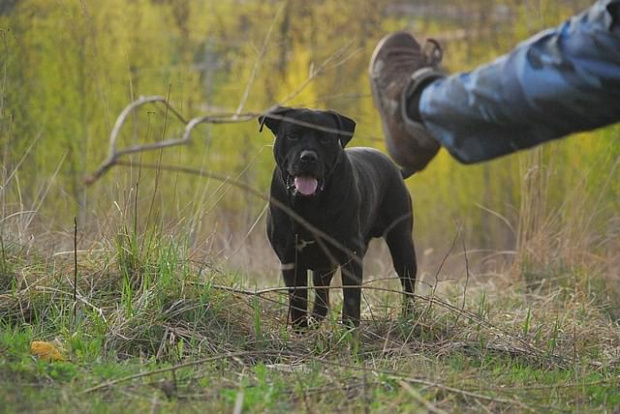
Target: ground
<point>162,333</point>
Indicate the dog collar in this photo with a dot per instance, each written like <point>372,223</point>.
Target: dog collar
<point>302,244</point>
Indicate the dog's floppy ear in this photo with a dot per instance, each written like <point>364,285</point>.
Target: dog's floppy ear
<point>273,123</point>
<point>346,126</point>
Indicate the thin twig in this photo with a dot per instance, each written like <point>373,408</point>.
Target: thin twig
<point>75,268</point>
<point>466,280</point>
<point>108,384</point>
<point>47,289</point>
<point>392,374</point>
<point>528,347</point>
<point>428,383</point>
<point>21,161</point>
<point>416,396</point>
<point>320,236</point>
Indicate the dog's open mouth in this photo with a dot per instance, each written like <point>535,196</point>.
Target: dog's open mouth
<point>304,185</point>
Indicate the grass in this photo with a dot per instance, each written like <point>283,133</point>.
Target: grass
<point>154,330</point>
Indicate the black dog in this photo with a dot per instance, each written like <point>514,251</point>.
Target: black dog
<point>326,204</point>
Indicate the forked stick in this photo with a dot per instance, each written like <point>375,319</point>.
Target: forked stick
<point>114,153</point>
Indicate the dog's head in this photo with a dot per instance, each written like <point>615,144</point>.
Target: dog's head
<point>309,145</point>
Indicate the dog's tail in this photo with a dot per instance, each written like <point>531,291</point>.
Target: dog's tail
<point>407,172</point>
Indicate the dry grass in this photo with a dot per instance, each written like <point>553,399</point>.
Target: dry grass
<point>165,320</point>
<point>157,328</point>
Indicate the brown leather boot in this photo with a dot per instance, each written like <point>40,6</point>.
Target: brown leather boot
<point>399,70</point>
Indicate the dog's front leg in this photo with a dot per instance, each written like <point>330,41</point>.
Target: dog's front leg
<point>321,279</point>
<point>296,280</point>
<point>352,273</point>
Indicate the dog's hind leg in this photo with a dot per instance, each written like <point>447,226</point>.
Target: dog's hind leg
<point>296,279</point>
<point>321,280</point>
<point>402,250</point>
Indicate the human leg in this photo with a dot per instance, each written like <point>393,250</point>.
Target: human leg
<point>561,81</point>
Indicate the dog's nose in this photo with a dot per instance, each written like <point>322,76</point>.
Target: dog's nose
<point>308,156</point>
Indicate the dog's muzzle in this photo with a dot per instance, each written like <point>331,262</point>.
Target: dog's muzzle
<point>302,178</point>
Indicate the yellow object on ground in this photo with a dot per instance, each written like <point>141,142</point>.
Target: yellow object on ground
<point>46,351</point>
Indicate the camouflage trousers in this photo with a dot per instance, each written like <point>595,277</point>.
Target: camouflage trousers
<point>558,82</point>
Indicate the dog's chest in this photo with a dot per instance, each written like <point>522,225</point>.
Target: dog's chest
<point>316,253</point>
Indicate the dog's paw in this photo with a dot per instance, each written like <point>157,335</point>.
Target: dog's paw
<point>314,323</point>
<point>408,312</point>
<point>300,326</point>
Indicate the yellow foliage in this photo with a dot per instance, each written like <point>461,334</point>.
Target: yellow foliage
<point>68,85</point>
<point>46,351</point>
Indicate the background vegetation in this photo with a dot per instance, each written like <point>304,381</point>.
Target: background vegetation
<point>522,251</point>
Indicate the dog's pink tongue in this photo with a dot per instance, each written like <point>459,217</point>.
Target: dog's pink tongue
<point>306,185</point>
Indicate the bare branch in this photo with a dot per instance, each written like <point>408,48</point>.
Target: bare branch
<point>114,153</point>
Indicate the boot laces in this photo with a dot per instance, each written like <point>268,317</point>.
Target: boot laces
<point>433,52</point>
<point>401,57</point>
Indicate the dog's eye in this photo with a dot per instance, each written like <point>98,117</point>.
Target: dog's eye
<point>325,140</point>
<point>292,137</point>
